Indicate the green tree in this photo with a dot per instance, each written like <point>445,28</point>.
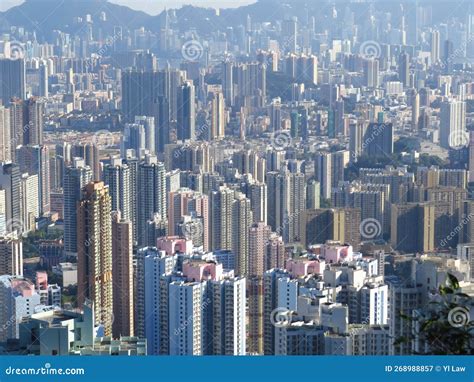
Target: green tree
<point>445,327</point>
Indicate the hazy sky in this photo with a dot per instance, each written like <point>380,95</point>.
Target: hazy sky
<point>156,6</point>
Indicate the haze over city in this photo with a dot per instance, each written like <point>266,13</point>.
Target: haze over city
<point>154,7</point>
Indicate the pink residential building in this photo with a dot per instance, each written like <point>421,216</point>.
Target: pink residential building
<point>173,244</point>
<point>303,267</point>
<point>334,252</point>
<point>201,270</point>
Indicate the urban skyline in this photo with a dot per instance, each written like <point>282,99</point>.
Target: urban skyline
<point>272,179</point>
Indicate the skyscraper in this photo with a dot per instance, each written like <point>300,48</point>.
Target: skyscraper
<point>90,153</point>
<point>76,176</point>
<point>151,315</point>
<point>29,202</point>
<point>151,193</point>
<point>448,56</point>
<point>140,91</point>
<point>341,224</point>
<point>133,139</point>
<point>189,202</point>
<point>435,47</point>
<point>220,217</point>
<point>404,68</point>
<point>275,115</point>
<point>43,88</point>
<point>313,195</point>
<point>241,222</point>
<point>185,112</point>
<point>227,302</point>
<point>228,82</point>
<point>371,72</point>
<point>218,122</point>
<point>378,140</point>
<point>213,298</point>
<point>286,203</point>
<point>5,131</point>
<point>122,276</point>
<point>329,170</point>
<point>117,175</point>
<point>453,124</point>
<point>415,112</point>
<point>413,227</point>
<point>11,255</point>
<point>33,121</point>
<point>12,85</point>
<point>27,120</point>
<point>289,34</point>
<point>10,179</point>
<point>162,124</point>
<point>94,258</point>
<point>34,160</point>
<point>148,124</point>
<point>259,234</point>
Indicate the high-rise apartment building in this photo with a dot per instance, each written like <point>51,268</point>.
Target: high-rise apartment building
<point>220,218</point>
<point>117,175</point>
<point>11,255</point>
<point>10,182</point>
<point>94,246</point>
<point>151,193</point>
<point>453,132</point>
<point>19,299</point>
<point>5,132</point>
<point>329,170</point>
<point>186,118</point>
<point>13,77</point>
<point>413,227</point>
<point>76,176</point>
<point>122,276</point>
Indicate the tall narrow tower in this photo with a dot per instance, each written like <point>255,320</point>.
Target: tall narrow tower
<point>94,243</point>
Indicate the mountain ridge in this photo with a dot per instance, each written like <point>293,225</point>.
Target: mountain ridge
<point>42,15</point>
